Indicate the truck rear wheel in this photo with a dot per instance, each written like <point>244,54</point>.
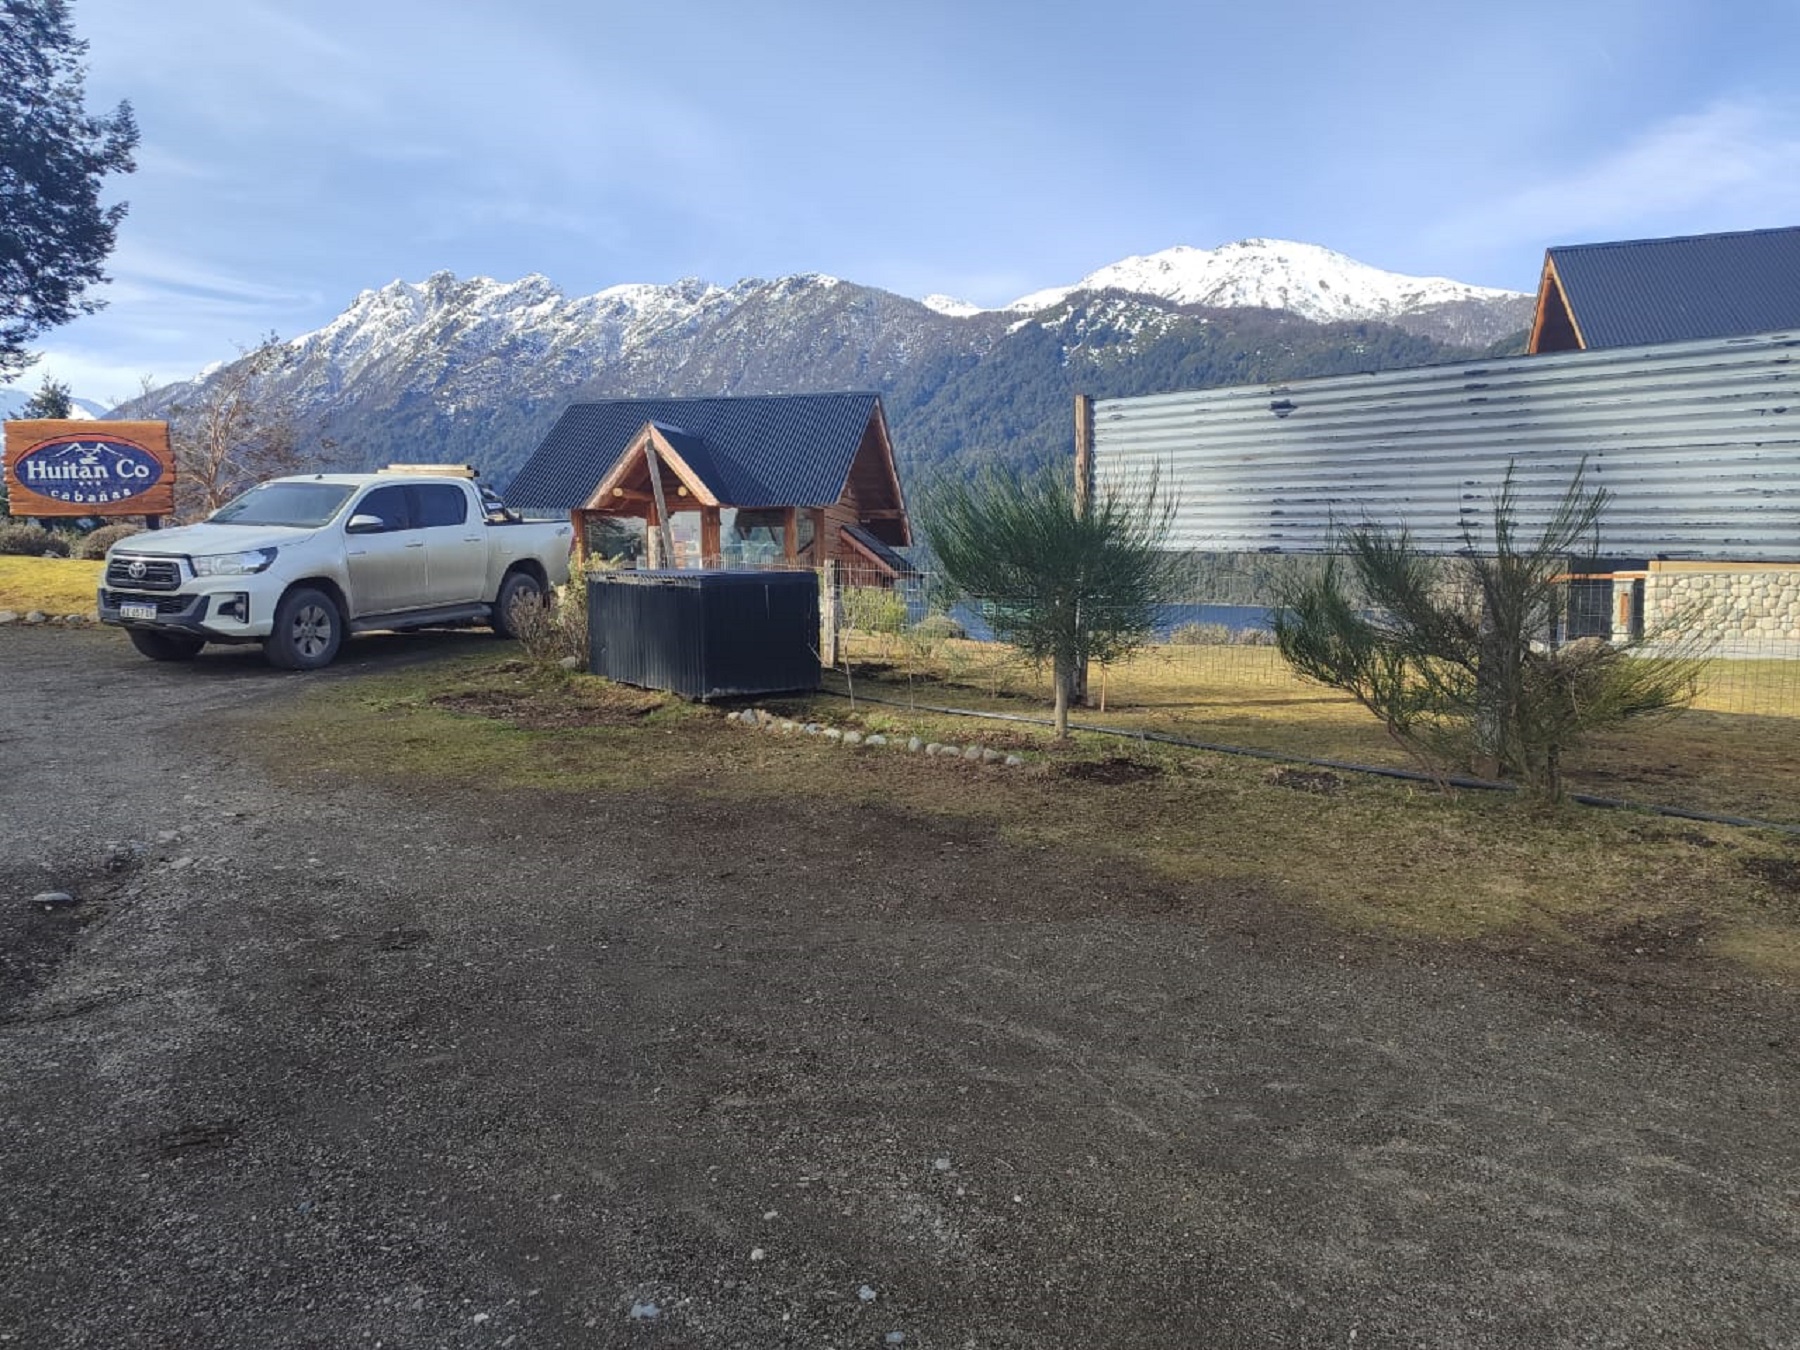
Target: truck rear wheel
<point>519,592</point>
<point>308,631</point>
<point>165,646</point>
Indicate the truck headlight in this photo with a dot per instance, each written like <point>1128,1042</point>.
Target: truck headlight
<point>233,564</point>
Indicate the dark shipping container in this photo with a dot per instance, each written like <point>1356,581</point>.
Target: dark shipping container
<point>706,635</point>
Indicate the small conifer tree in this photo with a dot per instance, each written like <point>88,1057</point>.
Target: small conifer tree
<point>1062,583</point>
<point>1452,654</point>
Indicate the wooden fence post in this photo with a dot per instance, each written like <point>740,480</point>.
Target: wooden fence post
<point>830,612</point>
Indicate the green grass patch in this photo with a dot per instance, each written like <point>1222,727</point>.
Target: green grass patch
<point>1363,854</point>
<point>54,585</point>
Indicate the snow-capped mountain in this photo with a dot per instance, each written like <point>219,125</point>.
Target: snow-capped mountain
<point>643,333</point>
<point>475,369</point>
<point>1304,279</point>
<point>13,401</point>
<point>949,304</point>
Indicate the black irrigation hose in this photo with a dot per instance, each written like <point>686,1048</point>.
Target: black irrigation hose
<point>1312,761</point>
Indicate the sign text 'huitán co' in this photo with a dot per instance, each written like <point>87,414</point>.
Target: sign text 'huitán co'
<point>86,468</point>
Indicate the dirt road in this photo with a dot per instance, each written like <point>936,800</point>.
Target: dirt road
<point>344,1067</point>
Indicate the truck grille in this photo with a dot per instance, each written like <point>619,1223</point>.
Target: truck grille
<point>147,574</point>
<point>165,604</point>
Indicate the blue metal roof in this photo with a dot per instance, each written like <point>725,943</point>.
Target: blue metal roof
<point>774,450</point>
<point>694,453</point>
<point>1643,291</point>
<point>890,557</point>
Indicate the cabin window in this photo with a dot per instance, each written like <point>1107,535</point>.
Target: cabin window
<point>617,539</point>
<point>753,537</point>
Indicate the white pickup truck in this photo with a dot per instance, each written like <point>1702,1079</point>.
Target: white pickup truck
<point>298,564</point>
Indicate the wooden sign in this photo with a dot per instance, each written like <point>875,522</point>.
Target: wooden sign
<point>89,468</point>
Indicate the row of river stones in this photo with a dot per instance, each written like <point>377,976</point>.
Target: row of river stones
<point>975,754</point>
<point>32,618</point>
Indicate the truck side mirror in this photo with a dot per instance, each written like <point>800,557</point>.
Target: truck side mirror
<point>362,523</point>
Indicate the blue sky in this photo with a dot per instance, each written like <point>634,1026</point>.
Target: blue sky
<point>295,153</point>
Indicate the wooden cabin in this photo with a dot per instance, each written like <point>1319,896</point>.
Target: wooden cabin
<point>780,480</point>
<point>1644,291</point>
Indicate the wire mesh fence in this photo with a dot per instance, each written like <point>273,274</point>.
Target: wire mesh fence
<point>1209,671</point>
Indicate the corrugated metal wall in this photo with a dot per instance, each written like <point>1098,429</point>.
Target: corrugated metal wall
<point>1698,443</point>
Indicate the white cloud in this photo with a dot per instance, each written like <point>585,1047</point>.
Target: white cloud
<point>142,272</point>
<point>104,381</point>
<point>166,316</point>
<point>1734,165</point>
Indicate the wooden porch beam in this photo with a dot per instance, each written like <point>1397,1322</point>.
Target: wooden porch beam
<point>579,519</point>
<point>711,553</point>
<point>661,507</point>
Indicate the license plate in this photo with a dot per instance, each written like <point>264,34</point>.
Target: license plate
<point>137,611</point>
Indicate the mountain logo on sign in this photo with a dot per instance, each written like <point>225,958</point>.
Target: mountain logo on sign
<point>91,470</point>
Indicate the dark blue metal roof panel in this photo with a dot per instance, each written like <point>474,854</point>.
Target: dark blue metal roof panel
<point>1645,291</point>
<point>773,450</point>
<point>694,453</point>
<point>891,557</point>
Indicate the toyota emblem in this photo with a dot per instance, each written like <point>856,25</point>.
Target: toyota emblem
<point>136,570</point>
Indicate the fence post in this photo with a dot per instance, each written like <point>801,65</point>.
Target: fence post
<point>830,611</point>
<point>1084,504</point>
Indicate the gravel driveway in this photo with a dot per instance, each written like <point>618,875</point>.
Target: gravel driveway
<point>342,1067</point>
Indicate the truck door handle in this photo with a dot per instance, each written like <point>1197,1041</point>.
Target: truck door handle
<point>416,543</point>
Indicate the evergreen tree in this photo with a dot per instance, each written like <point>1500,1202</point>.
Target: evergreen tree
<point>54,154</point>
<point>52,400</point>
<point>1062,580</point>
<point>1449,653</point>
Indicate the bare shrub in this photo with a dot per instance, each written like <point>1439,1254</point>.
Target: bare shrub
<point>1219,635</point>
<point>940,628</point>
<point>1200,635</point>
<point>873,609</point>
<point>32,541</point>
<point>551,633</point>
<point>93,545</point>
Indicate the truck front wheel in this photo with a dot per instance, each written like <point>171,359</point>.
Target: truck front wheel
<point>308,631</point>
<point>165,646</point>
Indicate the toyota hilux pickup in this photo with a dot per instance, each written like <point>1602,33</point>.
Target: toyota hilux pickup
<point>299,564</point>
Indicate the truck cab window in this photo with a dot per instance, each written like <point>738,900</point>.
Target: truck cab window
<point>439,504</point>
<point>390,504</point>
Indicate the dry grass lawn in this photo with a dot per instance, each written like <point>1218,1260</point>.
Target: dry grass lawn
<point>54,585</point>
<point>1737,752</point>
<point>1598,888</point>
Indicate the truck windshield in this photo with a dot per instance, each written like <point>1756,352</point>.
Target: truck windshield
<point>296,504</point>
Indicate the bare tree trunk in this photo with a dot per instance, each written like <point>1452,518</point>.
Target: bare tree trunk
<point>1065,681</point>
<point>1490,697</point>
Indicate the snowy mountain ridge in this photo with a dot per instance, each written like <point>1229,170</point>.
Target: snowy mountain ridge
<point>623,320</point>
<point>454,369</point>
<point>1305,279</point>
